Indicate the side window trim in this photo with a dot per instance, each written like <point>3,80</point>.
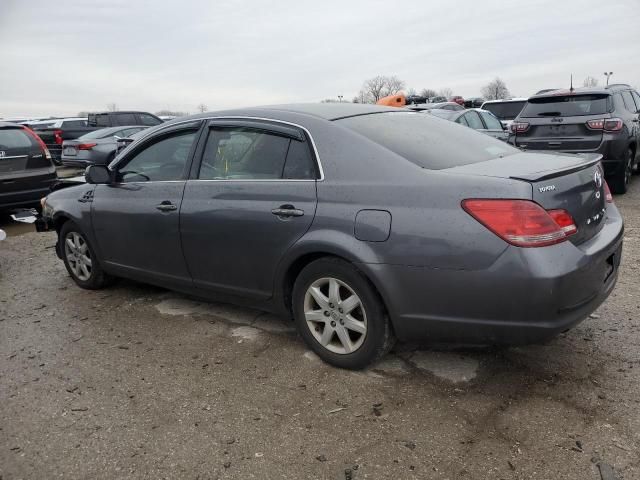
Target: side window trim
<point>196,127</point>
<point>273,127</point>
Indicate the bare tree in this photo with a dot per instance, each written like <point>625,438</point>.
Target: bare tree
<point>172,113</point>
<point>445,92</point>
<point>378,87</point>
<point>202,108</point>
<point>412,92</point>
<point>590,82</point>
<point>428,92</point>
<point>82,114</point>
<point>329,100</point>
<point>112,107</point>
<point>495,90</point>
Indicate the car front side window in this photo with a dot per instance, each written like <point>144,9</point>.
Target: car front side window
<point>162,160</point>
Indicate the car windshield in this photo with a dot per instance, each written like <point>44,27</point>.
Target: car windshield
<point>429,142</point>
<point>505,110</point>
<point>566,106</point>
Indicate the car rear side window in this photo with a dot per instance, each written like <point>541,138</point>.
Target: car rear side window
<point>636,97</point>
<point>126,119</point>
<point>629,104</point>
<point>567,105</point>
<point>239,153</point>
<point>426,141</point>
<point>492,122</point>
<point>100,120</point>
<point>299,164</point>
<point>148,120</point>
<point>474,121</point>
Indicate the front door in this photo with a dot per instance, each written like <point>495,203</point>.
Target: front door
<point>252,198</point>
<point>136,218</point>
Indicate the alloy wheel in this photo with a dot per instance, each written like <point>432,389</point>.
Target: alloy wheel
<point>335,315</point>
<point>78,255</point>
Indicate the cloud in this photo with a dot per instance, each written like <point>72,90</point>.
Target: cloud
<point>163,54</point>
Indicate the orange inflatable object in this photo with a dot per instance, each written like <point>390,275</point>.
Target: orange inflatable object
<point>393,101</point>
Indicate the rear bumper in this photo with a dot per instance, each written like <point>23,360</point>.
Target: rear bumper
<point>526,296</point>
<point>27,197</point>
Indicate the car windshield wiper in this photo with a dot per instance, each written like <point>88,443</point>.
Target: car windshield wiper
<point>549,114</point>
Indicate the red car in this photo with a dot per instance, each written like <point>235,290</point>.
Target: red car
<point>458,99</point>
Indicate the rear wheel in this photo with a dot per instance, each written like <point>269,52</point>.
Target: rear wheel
<point>340,315</point>
<point>80,259</point>
<point>620,182</point>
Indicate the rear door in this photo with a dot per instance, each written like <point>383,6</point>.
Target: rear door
<point>251,197</point>
<point>559,122</point>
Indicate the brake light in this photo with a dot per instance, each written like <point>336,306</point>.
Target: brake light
<point>606,124</point>
<point>57,136</point>
<point>519,127</point>
<point>86,146</point>
<point>607,193</point>
<point>522,223</point>
<point>564,220</point>
<point>35,136</point>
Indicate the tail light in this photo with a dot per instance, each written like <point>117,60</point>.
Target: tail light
<point>45,150</point>
<point>57,136</point>
<point>522,223</point>
<point>86,146</point>
<point>606,124</point>
<point>607,193</point>
<point>519,127</point>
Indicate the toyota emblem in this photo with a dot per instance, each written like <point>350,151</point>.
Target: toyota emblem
<point>597,178</point>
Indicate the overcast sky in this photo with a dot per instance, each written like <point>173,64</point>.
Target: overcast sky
<point>65,56</point>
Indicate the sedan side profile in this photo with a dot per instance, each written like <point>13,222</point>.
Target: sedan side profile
<point>362,223</point>
<point>480,120</point>
<point>97,147</point>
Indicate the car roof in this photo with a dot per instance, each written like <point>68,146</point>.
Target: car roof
<point>327,111</point>
<point>607,90</point>
<point>505,100</point>
<point>10,124</point>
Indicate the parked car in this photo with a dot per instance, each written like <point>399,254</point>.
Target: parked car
<point>97,147</point>
<point>438,99</point>
<point>26,169</point>
<point>37,124</point>
<point>481,120</point>
<point>338,216</point>
<point>446,106</point>
<point>122,118</point>
<point>416,99</point>
<point>457,99</point>
<point>55,133</point>
<point>603,120</point>
<point>72,128</point>
<point>505,110</point>
<point>475,102</point>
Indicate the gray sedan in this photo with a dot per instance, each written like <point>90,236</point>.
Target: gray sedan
<point>481,120</point>
<point>97,147</point>
<point>362,223</point>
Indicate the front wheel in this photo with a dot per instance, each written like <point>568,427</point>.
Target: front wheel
<point>80,259</point>
<point>340,315</point>
<point>620,182</point>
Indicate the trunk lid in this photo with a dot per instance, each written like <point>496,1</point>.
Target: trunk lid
<point>574,183</point>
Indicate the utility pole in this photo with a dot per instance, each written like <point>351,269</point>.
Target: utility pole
<point>608,74</point>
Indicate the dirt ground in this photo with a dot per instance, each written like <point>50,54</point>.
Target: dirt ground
<point>139,382</point>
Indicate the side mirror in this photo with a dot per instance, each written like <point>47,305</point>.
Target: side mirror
<point>122,143</point>
<point>97,174</point>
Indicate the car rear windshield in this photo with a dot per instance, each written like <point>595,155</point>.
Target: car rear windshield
<point>429,142</point>
<point>505,110</point>
<point>567,106</point>
<point>101,133</point>
<point>11,138</point>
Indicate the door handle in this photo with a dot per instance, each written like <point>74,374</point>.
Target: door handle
<point>166,206</point>
<point>287,211</point>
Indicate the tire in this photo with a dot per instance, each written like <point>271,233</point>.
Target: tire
<point>76,251</point>
<point>620,182</point>
<point>340,315</point>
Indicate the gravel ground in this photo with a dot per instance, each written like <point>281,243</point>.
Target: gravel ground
<point>139,382</point>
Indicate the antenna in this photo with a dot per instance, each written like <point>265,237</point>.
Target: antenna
<point>571,88</point>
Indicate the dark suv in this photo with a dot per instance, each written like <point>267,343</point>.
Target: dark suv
<point>595,120</point>
<point>26,170</point>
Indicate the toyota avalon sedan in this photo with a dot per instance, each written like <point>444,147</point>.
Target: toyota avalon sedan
<point>362,223</point>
